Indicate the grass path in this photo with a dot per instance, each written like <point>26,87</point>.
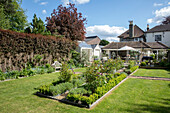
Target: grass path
<point>153,73</point>
<point>134,95</point>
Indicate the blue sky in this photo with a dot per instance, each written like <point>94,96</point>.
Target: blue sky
<point>106,18</point>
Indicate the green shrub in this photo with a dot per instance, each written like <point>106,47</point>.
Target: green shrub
<point>65,73</point>
<point>60,88</point>
<point>131,64</point>
<point>116,75</point>
<point>132,69</point>
<point>128,71</point>
<point>47,66</point>
<point>77,82</point>
<point>50,70</point>
<point>143,64</point>
<point>45,89</point>
<point>78,91</point>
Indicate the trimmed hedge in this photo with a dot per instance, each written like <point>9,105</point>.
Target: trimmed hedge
<point>16,49</point>
<point>132,69</point>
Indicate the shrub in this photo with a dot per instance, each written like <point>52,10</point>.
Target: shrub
<point>132,69</point>
<point>80,91</point>
<point>128,71</point>
<point>65,73</point>
<point>60,88</point>
<point>116,75</point>
<point>131,64</point>
<point>47,66</point>
<point>50,70</point>
<point>143,64</point>
<point>45,89</point>
<point>77,82</point>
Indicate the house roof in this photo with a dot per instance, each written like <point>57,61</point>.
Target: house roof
<point>157,45</point>
<point>92,40</point>
<point>83,44</point>
<point>159,28</point>
<point>137,33</point>
<point>140,44</point>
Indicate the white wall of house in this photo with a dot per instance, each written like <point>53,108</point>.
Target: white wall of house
<point>165,37</point>
<point>97,51</point>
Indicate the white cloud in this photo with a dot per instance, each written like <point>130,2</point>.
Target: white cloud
<point>168,3</point>
<point>160,15</point>
<point>80,1</point>
<point>157,4</point>
<point>65,2</point>
<point>44,11</point>
<point>43,3</point>
<point>107,32</point>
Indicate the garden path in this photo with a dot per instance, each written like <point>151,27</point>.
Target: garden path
<point>150,78</point>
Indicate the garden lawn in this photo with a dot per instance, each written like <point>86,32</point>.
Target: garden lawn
<point>80,70</point>
<point>153,73</point>
<point>134,95</point>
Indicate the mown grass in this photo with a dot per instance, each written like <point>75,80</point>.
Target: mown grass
<point>153,73</point>
<point>134,95</point>
<point>80,70</point>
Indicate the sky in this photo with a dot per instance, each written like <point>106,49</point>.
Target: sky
<point>105,18</point>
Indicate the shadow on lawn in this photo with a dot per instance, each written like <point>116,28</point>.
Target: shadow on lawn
<point>159,105</point>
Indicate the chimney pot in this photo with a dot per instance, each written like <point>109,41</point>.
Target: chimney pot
<point>147,27</point>
<point>131,29</point>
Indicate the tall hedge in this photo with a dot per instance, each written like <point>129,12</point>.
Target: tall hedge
<point>16,49</point>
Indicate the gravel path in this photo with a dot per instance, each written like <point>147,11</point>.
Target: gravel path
<point>150,78</point>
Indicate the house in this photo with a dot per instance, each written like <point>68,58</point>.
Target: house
<point>160,33</point>
<point>134,33</point>
<point>94,41</point>
<point>146,48</point>
<point>90,46</point>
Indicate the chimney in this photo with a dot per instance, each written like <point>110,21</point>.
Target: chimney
<point>131,29</point>
<point>147,27</point>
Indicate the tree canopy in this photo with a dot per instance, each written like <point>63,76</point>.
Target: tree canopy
<point>167,20</point>
<point>68,22</point>
<point>37,27</point>
<point>104,42</point>
<point>12,16</point>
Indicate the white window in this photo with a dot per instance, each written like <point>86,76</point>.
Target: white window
<point>158,37</point>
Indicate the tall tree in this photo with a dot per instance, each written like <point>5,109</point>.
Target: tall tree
<point>68,22</point>
<point>167,20</point>
<point>37,25</point>
<point>13,14</point>
<point>104,42</point>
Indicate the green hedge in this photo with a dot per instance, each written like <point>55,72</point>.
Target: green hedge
<point>132,69</point>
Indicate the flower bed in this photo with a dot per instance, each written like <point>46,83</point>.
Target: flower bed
<point>87,89</point>
<point>26,72</point>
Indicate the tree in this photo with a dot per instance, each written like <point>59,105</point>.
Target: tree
<point>167,20</point>
<point>104,42</point>
<point>4,23</point>
<point>66,21</point>
<point>37,27</point>
<point>13,15</point>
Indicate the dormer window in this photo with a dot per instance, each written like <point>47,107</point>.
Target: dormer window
<point>158,37</point>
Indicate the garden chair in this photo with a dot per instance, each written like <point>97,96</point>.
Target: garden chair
<point>57,65</point>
